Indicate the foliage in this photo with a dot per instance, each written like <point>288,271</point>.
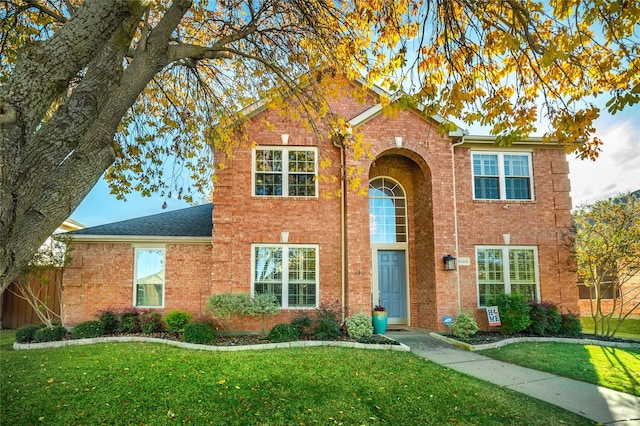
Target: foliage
<point>614,368</point>
<point>606,246</point>
<point>88,329</point>
<point>150,322</point>
<point>545,318</point>
<point>359,325</point>
<point>27,333</point>
<point>514,312</point>
<point>379,308</point>
<point>464,325</point>
<point>50,334</point>
<point>200,332</point>
<point>110,321</point>
<point>176,320</point>
<point>283,387</point>
<point>225,305</point>
<point>284,333</point>
<point>130,321</point>
<point>327,322</point>
<point>570,325</point>
<point>303,323</point>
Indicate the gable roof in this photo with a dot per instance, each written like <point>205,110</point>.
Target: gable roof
<point>193,224</point>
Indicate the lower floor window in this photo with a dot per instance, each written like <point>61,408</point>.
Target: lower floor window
<point>507,270</point>
<point>149,277</point>
<point>289,272</point>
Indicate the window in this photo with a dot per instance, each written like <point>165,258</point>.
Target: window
<point>508,270</point>
<point>287,172</point>
<point>500,176</point>
<point>149,277</point>
<point>608,289</point>
<point>387,212</point>
<point>290,272</point>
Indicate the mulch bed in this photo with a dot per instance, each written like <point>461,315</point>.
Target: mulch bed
<point>482,337</point>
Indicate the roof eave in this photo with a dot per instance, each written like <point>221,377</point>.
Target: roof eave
<point>169,239</point>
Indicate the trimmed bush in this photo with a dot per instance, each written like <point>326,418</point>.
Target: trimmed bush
<point>87,329</point>
<point>514,312</point>
<point>27,333</point>
<point>130,322</point>
<point>176,320</point>
<point>283,333</point>
<point>545,319</point>
<point>224,305</point>
<point>359,325</point>
<point>464,325</point>
<point>150,322</point>
<point>302,323</point>
<point>110,322</point>
<point>327,324</point>
<point>50,334</point>
<point>200,332</point>
<point>570,325</point>
<point>554,319</point>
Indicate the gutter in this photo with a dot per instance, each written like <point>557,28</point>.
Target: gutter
<point>139,239</point>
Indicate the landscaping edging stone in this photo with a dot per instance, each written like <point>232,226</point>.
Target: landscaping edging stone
<point>510,340</point>
<point>126,339</point>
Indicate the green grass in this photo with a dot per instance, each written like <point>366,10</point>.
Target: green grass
<point>629,329</point>
<point>7,337</point>
<point>142,383</point>
<point>613,368</point>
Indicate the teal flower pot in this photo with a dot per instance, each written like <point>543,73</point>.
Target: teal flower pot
<point>379,320</point>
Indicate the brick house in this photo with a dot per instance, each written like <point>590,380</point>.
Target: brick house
<point>285,222</point>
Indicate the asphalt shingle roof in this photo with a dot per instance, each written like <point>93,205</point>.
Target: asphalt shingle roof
<point>190,222</point>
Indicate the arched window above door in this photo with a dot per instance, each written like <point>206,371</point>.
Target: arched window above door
<point>387,211</point>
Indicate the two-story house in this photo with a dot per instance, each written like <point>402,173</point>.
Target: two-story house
<point>424,223</point>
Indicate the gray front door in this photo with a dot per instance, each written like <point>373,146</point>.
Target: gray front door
<point>392,284</point>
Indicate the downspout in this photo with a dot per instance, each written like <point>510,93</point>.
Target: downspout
<point>338,142</point>
<point>455,213</point>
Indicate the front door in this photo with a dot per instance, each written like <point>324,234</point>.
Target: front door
<point>392,284</point>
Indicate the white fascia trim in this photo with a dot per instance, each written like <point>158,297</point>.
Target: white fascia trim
<point>140,239</point>
<point>488,139</point>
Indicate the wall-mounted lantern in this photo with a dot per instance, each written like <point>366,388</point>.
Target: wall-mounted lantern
<point>449,263</point>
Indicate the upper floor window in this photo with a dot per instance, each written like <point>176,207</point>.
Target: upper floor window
<point>285,172</point>
<point>387,211</point>
<point>501,176</point>
<point>149,277</point>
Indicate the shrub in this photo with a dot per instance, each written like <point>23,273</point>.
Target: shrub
<point>302,323</point>
<point>88,329</point>
<point>464,325</point>
<point>570,325</point>
<point>283,333</point>
<point>176,320</point>
<point>200,332</point>
<point>27,333</point>
<point>50,334</point>
<point>327,324</point>
<point>110,322</point>
<point>359,325</point>
<point>224,305</point>
<point>150,322</point>
<point>514,312</point>
<point>130,322</point>
<point>545,318</point>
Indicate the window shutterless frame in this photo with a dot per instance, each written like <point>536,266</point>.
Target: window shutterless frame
<point>149,276</point>
<point>502,175</point>
<point>284,171</point>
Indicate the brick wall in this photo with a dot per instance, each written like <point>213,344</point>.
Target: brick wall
<point>100,277</point>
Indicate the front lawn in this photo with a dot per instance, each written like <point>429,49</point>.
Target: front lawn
<point>613,368</point>
<point>629,329</point>
<point>142,383</point>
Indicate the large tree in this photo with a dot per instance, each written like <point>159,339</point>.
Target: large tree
<point>606,244</point>
<point>121,85</point>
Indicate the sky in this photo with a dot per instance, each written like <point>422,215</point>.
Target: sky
<point>617,170</point>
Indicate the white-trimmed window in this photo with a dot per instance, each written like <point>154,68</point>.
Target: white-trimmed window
<point>502,176</point>
<point>289,272</point>
<point>507,269</point>
<point>148,288</point>
<point>286,172</point>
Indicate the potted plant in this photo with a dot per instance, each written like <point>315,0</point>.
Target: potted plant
<point>379,317</point>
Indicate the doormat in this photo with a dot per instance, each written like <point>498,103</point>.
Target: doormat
<point>397,329</point>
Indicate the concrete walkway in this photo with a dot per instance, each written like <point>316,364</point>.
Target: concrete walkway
<point>596,403</point>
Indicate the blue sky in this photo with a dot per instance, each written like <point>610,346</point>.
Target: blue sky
<point>617,170</point>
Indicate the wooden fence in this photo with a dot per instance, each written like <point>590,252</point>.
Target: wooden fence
<point>16,312</point>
